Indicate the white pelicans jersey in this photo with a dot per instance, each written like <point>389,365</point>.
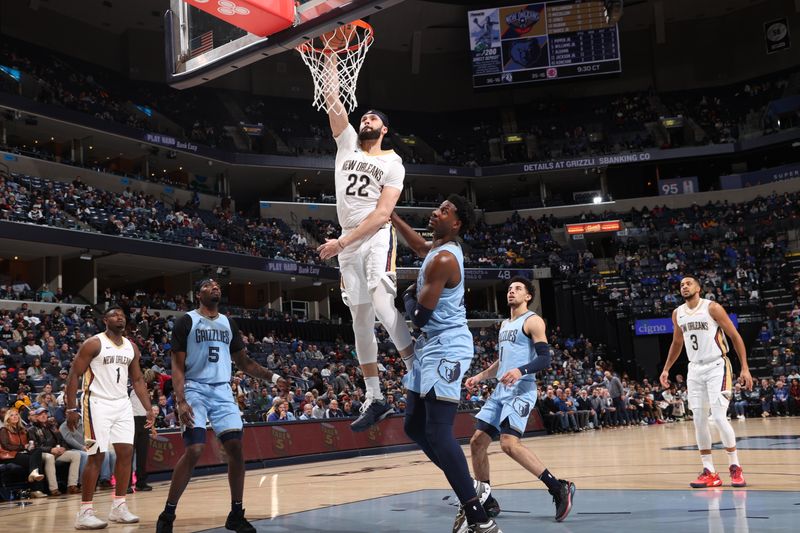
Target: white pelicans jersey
<point>360,178</point>
<point>107,375</point>
<point>702,335</point>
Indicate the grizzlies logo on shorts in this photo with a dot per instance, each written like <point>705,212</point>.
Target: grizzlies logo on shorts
<point>522,407</point>
<point>450,371</point>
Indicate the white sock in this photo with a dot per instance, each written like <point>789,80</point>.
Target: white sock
<point>733,458</point>
<point>85,506</point>
<point>708,462</point>
<point>374,387</point>
<point>117,502</point>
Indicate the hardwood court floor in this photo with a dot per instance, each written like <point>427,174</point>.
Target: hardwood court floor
<point>637,458</point>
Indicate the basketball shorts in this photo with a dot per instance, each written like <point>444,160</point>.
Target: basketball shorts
<point>215,404</point>
<point>365,266</point>
<point>512,408</point>
<point>441,362</point>
<point>107,422</point>
<point>709,384</point>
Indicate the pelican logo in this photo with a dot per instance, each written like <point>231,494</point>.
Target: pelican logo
<point>522,407</point>
<point>281,441</point>
<point>450,371</point>
<point>523,20</point>
<point>330,436</point>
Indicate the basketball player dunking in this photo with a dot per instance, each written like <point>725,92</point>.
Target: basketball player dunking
<point>105,361</point>
<point>204,342</point>
<point>444,352</point>
<point>523,351</point>
<point>368,182</point>
<point>701,325</point>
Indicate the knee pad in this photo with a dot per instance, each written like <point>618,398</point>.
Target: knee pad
<point>726,433</point>
<point>414,428</point>
<point>701,429</point>
<point>194,436</point>
<point>230,435</point>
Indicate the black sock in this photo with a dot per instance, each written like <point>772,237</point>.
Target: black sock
<point>170,508</point>
<point>236,507</point>
<point>549,479</point>
<point>475,512</point>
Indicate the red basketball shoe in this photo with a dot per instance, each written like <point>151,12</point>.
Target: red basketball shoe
<point>706,479</point>
<point>737,479</point>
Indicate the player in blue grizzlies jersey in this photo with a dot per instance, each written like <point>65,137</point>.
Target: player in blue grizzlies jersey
<point>204,343</point>
<point>523,351</point>
<point>443,354</point>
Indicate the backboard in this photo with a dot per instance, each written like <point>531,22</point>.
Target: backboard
<point>201,47</point>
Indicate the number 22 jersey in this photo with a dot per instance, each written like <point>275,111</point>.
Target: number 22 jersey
<point>208,343</point>
<point>360,178</point>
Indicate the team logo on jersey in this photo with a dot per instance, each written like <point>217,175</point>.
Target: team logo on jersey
<point>522,407</point>
<point>450,371</point>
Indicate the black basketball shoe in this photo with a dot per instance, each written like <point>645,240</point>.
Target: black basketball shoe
<point>164,524</point>
<point>372,412</point>
<point>563,499</point>
<point>237,522</point>
<point>492,507</point>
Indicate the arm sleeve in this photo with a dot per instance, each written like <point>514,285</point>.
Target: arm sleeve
<point>418,314</point>
<point>396,175</point>
<point>236,340</point>
<point>540,362</point>
<point>180,333</point>
<point>348,139</point>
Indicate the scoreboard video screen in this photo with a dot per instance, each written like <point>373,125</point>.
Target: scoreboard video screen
<point>542,41</point>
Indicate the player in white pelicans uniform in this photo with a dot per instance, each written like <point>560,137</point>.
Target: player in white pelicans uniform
<point>368,182</point>
<point>701,325</point>
<point>105,361</point>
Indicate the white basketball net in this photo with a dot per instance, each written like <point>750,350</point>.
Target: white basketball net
<point>336,70</point>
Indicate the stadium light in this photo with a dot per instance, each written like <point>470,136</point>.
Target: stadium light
<point>597,200</point>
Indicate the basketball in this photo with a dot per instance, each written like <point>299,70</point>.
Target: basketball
<point>339,38</point>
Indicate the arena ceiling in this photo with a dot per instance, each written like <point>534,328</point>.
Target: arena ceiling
<point>444,21</point>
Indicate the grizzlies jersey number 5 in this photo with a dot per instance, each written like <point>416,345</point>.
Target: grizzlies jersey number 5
<point>208,343</point>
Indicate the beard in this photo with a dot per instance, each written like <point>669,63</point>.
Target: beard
<point>210,301</point>
<point>369,134</point>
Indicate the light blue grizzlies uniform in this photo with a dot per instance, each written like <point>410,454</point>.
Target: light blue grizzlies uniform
<point>516,402</point>
<point>445,350</point>
<point>208,344</point>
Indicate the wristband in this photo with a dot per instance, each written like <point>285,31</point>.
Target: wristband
<point>73,410</point>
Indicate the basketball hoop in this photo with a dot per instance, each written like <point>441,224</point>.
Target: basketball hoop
<point>335,59</point>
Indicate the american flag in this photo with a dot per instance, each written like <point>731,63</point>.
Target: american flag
<point>201,44</point>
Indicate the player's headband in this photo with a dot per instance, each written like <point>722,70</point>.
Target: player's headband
<point>203,282</point>
<point>380,114</point>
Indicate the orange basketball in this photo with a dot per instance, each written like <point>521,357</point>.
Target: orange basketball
<point>340,38</point>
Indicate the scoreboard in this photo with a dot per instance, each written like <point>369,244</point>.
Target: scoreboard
<point>542,41</point>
